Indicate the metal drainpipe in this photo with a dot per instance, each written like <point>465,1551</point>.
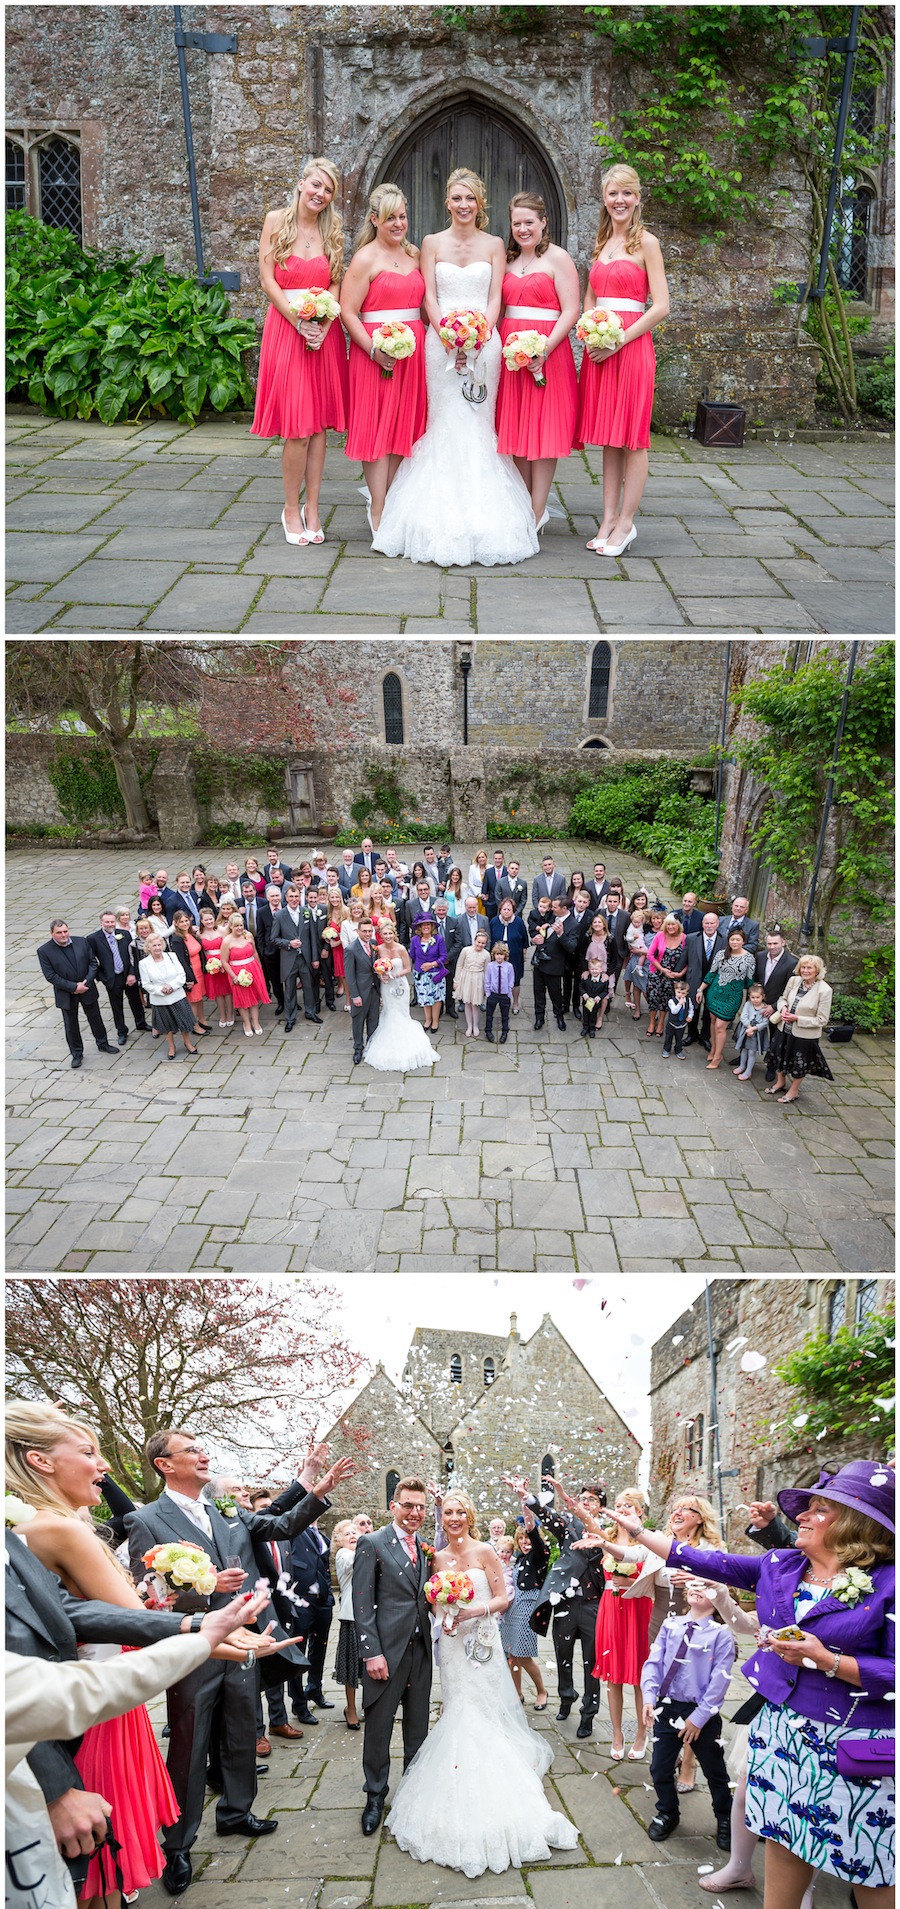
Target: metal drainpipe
<point>714,1427</point>
<point>189,140</point>
<point>721,774</point>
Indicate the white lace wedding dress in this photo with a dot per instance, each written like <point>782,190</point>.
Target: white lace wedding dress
<point>455,500</point>
<point>472,1797</point>
<point>399,1044</point>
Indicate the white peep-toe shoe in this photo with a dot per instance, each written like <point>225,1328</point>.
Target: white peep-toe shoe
<point>615,550</point>
<point>292,536</point>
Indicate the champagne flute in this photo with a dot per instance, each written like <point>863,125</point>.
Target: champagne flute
<point>776,429</point>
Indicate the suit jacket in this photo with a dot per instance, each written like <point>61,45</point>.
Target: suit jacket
<point>346,879</point>
<point>285,867</point>
<point>558,886</point>
<point>412,911</point>
<point>460,934</point>
<point>169,897</point>
<point>264,920</point>
<point>182,953</point>
<point>514,891</point>
<point>779,977</point>
<point>311,1571</point>
<point>65,967</point>
<point>165,1522</point>
<point>444,865</point>
<point>191,904</point>
<point>776,1536</point>
<point>389,1601</point>
<point>690,918</point>
<point>750,928</point>
<point>43,1620</point>
<point>698,964</point>
<point>283,933</point>
<point>617,933</point>
<point>99,946</point>
<point>362,861</point>
<point>570,1567</point>
<point>559,950</point>
<point>490,887</point>
<point>359,972</point>
<point>597,890</point>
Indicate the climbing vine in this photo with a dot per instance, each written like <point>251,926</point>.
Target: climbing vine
<point>216,771</point>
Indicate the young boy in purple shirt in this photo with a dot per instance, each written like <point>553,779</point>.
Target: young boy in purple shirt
<point>499,981</point>
<point>684,1681</point>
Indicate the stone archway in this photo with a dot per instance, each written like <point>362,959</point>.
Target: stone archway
<point>470,130</point>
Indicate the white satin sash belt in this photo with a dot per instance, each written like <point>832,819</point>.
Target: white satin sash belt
<point>530,311</point>
<point>619,305</point>
<point>383,318</point>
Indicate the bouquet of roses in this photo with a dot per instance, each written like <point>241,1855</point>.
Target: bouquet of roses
<point>331,933</point>
<point>600,328</point>
<point>464,329</point>
<point>245,978</point>
<point>623,1568</point>
<point>524,348</point>
<point>382,966</point>
<point>314,307</point>
<point>446,1591</point>
<point>213,965</point>
<point>395,339</point>
<point>180,1567</point>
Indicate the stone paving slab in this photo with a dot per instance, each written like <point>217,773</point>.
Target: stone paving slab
<point>549,1154</point>
<point>725,542</point>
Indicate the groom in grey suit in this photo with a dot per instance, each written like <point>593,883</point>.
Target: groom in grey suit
<point>394,1630</point>
<point>363,986</point>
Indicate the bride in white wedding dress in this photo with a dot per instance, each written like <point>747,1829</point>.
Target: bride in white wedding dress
<point>399,1045</point>
<point>472,1797</point>
<point>455,500</point>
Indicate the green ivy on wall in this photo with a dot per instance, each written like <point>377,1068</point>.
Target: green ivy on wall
<point>86,787</point>
<point>217,771</point>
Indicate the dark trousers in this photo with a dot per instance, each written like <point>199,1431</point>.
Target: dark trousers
<point>229,1693</point>
<point>118,995</point>
<point>589,1016</point>
<point>72,1027</point>
<point>699,1027</point>
<point>571,993</point>
<point>494,1001</point>
<point>364,1020</point>
<point>577,1621</point>
<point>409,1688</point>
<point>308,984</point>
<point>314,1642</point>
<point>271,966</point>
<point>540,994</point>
<point>554,984</point>
<point>277,1713</point>
<point>325,979</point>
<point>667,1747</point>
<point>674,1036</point>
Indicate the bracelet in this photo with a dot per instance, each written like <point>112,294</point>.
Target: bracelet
<point>249,1660</point>
<point>834,1664</point>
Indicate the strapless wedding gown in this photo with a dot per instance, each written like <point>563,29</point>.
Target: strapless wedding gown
<point>472,1797</point>
<point>399,1045</point>
<point>455,500</point>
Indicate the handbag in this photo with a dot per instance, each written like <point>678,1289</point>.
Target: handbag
<point>865,1760</point>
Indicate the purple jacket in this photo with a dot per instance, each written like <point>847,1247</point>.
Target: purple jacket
<point>434,950</point>
<point>864,1631</point>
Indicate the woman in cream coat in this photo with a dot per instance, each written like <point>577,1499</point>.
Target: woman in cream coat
<point>800,1018</point>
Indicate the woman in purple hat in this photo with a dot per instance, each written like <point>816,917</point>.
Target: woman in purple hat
<point>819,1784</point>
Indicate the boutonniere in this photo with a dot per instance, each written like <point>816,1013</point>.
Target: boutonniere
<point>16,1512</point>
<point>851,1585</point>
<point>227,1505</point>
<point>428,1552</point>
<point>306,914</point>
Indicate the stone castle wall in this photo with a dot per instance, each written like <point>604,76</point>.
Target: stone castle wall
<point>349,81</point>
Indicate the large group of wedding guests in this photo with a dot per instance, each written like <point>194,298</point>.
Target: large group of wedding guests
<point>212,951</point>
<point>654,1615</point>
<point>458,469</point>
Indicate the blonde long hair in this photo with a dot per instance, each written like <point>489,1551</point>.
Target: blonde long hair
<point>627,176</point>
<point>461,175</point>
<point>384,201</point>
<point>702,1509</point>
<point>34,1427</point>
<point>462,1498</point>
<point>329,222</point>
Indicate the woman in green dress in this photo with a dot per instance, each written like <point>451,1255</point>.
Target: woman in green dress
<point>732,971</point>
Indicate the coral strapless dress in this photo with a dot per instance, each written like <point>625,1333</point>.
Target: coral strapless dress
<point>216,985</point>
<point>300,391</point>
<point>243,960</point>
<point>534,421</point>
<point>388,415</point>
<point>120,1760</point>
<point>616,397</point>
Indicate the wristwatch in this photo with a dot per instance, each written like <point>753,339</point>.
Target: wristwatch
<point>834,1664</point>
<point>196,1622</point>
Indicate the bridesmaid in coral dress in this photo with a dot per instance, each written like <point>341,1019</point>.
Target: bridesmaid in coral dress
<point>387,414</point>
<point>536,423</point>
<point>302,387</point>
<point>616,395</point>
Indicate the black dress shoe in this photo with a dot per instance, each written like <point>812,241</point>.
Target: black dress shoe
<point>489,1037</point>
<point>105,1047</point>
<point>585,1727</point>
<point>504,1037</point>
<point>331,1006</point>
<point>661,1827</point>
<point>357,1056</point>
<point>287,1026</point>
<point>248,1825</point>
<point>178,1874</point>
<point>305,1716</point>
<point>372,1814</point>
<point>560,1023</point>
<point>723,1832</point>
<point>318,1698</point>
<point>77,1060</point>
<point>539,1024</point>
<point>565,1705</point>
<point>313,1017</point>
<point>707,1046</point>
<point>122,1038</point>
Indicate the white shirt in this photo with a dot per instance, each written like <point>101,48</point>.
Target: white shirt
<point>771,962</point>
<point>193,1508</point>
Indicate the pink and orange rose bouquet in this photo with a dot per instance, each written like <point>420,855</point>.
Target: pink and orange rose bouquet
<point>446,1591</point>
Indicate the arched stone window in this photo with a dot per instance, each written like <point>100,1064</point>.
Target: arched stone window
<point>59,182</point>
<point>391,1482</point>
<point>866,1301</point>
<point>837,1309</point>
<point>548,1469</point>
<point>392,697</point>
<point>601,663</point>
<point>595,742</point>
<point>455,1369</point>
<point>15,176</point>
<point>449,1462</point>
<point>489,1373</point>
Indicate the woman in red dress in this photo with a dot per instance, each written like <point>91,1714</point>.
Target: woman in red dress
<point>240,957</point>
<point>218,986</point>
<point>383,281</point>
<point>616,386</point>
<point>623,1626</point>
<point>302,387</point>
<point>536,423</point>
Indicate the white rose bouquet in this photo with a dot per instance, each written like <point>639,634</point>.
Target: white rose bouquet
<point>600,328</point>
<point>180,1567</point>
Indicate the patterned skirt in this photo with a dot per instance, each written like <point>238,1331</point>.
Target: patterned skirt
<point>346,1663</point>
<point>796,1797</point>
<point>799,1058</point>
<point>429,990</point>
<point>516,1634</point>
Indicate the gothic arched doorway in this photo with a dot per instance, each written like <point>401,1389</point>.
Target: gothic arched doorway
<point>469,131</point>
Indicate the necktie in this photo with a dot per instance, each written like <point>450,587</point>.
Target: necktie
<point>678,1658</point>
<point>275,1558</point>
<point>117,959</point>
<point>709,948</point>
<point>411,1548</point>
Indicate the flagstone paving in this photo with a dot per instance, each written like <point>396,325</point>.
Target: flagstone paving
<point>161,528</point>
<point>319,1859</point>
<point>550,1154</point>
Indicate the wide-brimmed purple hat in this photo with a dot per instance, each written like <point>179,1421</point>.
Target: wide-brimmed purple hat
<point>866,1486</point>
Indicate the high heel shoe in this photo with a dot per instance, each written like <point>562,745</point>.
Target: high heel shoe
<point>318,536</point>
<point>598,544</point>
<point>543,520</point>
<point>294,536</point>
<point>615,550</point>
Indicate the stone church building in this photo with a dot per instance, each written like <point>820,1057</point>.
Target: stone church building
<point>96,141</point>
<point>471,1406</point>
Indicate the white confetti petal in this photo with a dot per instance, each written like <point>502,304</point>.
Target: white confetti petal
<point>753,1361</point>
<point>705,1869</point>
<point>802,1418</point>
<point>733,1344</point>
<point>618,1862</point>
<point>878,1478</point>
<point>808,1663</point>
<point>678,1339</point>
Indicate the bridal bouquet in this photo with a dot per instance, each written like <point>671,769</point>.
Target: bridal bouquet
<point>314,307</point>
<point>245,978</point>
<point>466,330</point>
<point>523,348</point>
<point>600,328</point>
<point>624,1568</point>
<point>382,967</point>
<point>213,965</point>
<point>181,1567</point>
<point>446,1591</point>
<point>395,339</point>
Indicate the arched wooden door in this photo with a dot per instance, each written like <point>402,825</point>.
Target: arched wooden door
<point>468,131</point>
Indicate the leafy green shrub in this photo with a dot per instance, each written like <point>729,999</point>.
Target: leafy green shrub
<point>116,336</point>
<point>646,809</point>
<point>409,828</point>
<point>86,787</point>
<point>233,835</point>
<point>511,828</point>
<point>877,979</point>
<point>875,383</point>
<point>841,1380</point>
